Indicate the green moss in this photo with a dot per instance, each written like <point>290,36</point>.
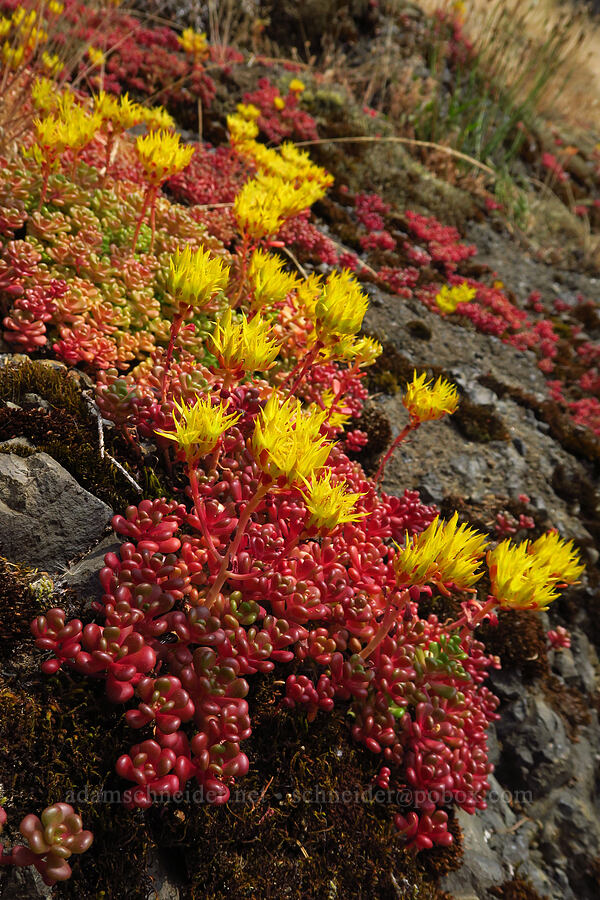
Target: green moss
<point>50,380</point>
<point>520,642</point>
<point>23,595</point>
<point>391,371</point>
<point>418,329</point>
<point>479,422</point>
<point>59,739</point>
<point>269,842</point>
<point>18,450</point>
<point>68,432</point>
<point>379,431</point>
<point>517,889</point>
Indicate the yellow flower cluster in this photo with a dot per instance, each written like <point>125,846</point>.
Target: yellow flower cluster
<point>195,277</point>
<point>242,131</point>
<point>50,140</point>
<point>426,402</point>
<point>287,443</point>
<point>244,346</point>
<point>121,112</point>
<point>448,297</point>
<point>69,125</point>
<point>341,307</point>
<point>445,553</point>
<point>361,351</point>
<point>27,34</point>
<point>52,63</point>
<point>248,111</point>
<point>296,86</point>
<point>288,163</point>
<point>199,427</point>
<point>79,127</point>
<point>162,155</point>
<point>560,556</point>
<point>526,576</point>
<point>365,351</point>
<point>96,56</point>
<point>287,181</point>
<point>268,282</point>
<point>194,42</point>
<point>518,581</point>
<point>330,504</point>
<point>157,117</point>
<point>23,20</point>
<point>13,57</point>
<point>45,95</point>
<point>265,202</point>
<point>522,576</point>
<point>309,291</point>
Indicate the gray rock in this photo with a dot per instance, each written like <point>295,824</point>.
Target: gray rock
<point>163,888</point>
<point>22,884</point>
<point>82,577</point>
<point>534,739</point>
<point>46,518</point>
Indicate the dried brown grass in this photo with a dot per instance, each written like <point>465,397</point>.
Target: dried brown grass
<point>576,98</point>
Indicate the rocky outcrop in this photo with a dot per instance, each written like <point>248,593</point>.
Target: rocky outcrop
<point>47,519</point>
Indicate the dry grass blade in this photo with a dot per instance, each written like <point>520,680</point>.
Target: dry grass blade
<point>412,142</point>
<point>548,40</point>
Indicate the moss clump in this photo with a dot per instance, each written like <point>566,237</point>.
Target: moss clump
<point>48,379</point>
<point>572,706</point>
<point>20,602</point>
<point>58,741</point>
<point>379,431</point>
<point>303,826</point>
<point>391,371</point>
<point>479,422</point>
<point>419,330</point>
<point>520,642</point>
<point>517,889</point>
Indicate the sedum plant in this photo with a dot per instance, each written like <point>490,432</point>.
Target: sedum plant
<point>53,839</point>
<point>280,550</point>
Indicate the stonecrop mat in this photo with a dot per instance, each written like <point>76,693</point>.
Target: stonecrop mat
<point>221,331</point>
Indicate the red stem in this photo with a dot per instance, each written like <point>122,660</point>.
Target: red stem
<point>109,145</point>
<point>153,220</point>
<point>175,329</point>
<point>405,431</point>
<point>391,614</point>
<point>244,251</point>
<point>306,364</point>
<point>44,191</point>
<point>487,607</point>
<point>199,510</point>
<point>234,544</point>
